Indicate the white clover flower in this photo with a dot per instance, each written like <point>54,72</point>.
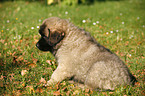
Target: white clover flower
<point>39,20</point>
<point>107,33</point>
<point>50,14</point>
<point>14,37</point>
<point>37,26</point>
<point>97,22</point>
<point>117,37</point>
<point>8,21</point>
<point>19,36</point>
<point>120,14</point>
<point>94,23</point>
<point>131,37</point>
<point>66,12</point>
<point>84,21</point>
<point>111,31</point>
<point>32,28</point>
<point>122,22</point>
<point>137,17</point>
<point>88,20</point>
<point>116,30</point>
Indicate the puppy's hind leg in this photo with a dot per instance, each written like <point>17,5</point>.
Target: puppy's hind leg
<point>99,76</point>
<point>58,75</point>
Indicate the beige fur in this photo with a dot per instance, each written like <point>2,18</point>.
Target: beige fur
<point>79,56</point>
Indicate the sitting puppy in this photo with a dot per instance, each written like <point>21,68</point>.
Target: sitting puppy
<point>80,57</point>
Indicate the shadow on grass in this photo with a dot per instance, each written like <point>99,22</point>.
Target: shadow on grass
<point>8,64</point>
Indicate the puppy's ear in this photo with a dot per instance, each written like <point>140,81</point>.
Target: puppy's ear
<point>55,37</point>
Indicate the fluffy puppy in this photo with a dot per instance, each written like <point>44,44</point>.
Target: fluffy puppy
<point>81,57</point>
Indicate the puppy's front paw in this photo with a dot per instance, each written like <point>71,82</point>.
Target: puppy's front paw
<point>50,82</point>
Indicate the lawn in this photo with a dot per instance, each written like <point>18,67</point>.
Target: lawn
<point>118,25</point>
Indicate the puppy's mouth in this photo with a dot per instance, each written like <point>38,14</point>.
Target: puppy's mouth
<point>43,46</point>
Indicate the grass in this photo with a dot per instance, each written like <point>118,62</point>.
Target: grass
<point>119,26</point>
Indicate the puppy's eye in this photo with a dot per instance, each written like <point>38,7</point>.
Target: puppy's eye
<point>48,30</point>
<point>45,38</point>
<point>41,34</point>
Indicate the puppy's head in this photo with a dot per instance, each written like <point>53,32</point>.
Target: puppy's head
<point>52,32</point>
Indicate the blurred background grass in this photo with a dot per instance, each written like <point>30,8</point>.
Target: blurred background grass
<point>118,25</point>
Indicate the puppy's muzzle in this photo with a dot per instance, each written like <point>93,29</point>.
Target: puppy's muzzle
<point>37,45</point>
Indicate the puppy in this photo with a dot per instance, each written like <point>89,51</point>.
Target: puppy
<point>81,57</point>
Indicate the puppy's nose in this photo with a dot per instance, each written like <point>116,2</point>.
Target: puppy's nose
<point>37,45</point>
<point>39,30</point>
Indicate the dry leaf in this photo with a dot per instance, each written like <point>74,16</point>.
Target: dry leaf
<point>137,83</point>
<point>20,58</point>
<point>18,93</point>
<point>33,59</point>
<point>19,49</point>
<point>86,94</point>
<point>143,92</point>
<point>49,68</point>
<point>2,41</point>
<point>76,92</point>
<point>143,57</point>
<point>42,80</point>
<point>122,54</point>
<point>49,62</point>
<point>68,93</point>
<point>56,93</point>
<point>104,93</point>
<point>57,85</point>
<point>21,41</point>
<point>111,92</point>
<point>117,52</point>
<point>91,92</point>
<point>11,76</point>
<point>117,17</point>
<point>31,89</point>
<point>23,84</point>
<point>126,43</point>
<point>100,27</point>
<point>39,90</point>
<point>32,65</point>
<point>13,53</point>
<point>87,90</point>
<point>1,83</point>
<point>23,72</point>
<point>2,77</point>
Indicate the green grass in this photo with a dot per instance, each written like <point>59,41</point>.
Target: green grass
<point>121,28</point>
